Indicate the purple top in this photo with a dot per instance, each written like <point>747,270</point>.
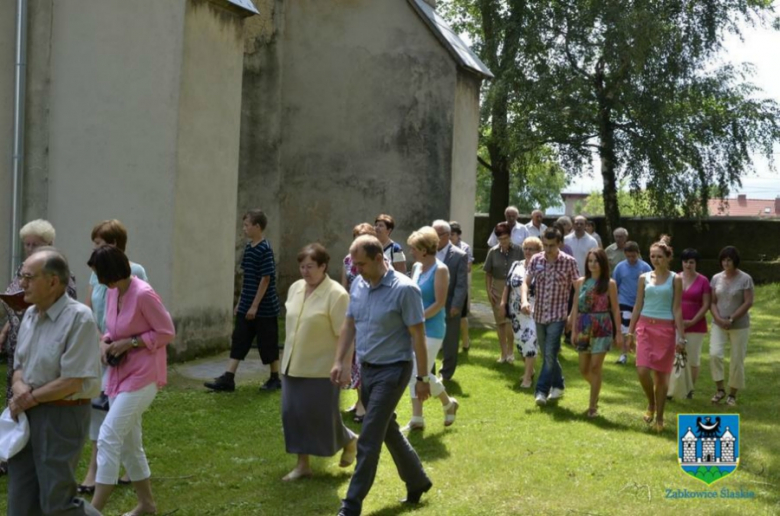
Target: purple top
<point>692,301</point>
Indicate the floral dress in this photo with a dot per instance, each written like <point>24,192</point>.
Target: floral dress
<point>523,326</point>
<point>594,327</point>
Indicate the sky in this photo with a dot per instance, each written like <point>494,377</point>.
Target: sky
<point>760,47</point>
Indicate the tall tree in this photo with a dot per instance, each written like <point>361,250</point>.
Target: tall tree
<point>635,83</point>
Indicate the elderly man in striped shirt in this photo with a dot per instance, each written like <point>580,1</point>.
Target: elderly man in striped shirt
<point>551,273</point>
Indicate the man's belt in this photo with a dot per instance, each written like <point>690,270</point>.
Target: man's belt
<point>69,403</point>
<point>378,366</point>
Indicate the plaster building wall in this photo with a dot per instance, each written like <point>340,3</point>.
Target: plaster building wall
<point>112,128</point>
<point>7,63</point>
<point>134,113</point>
<point>206,186</point>
<point>368,99</point>
<point>464,153</point>
<point>259,161</point>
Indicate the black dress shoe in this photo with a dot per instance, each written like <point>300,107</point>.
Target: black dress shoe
<point>413,497</point>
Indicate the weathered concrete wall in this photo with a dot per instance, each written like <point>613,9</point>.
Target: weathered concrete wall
<point>7,63</point>
<point>112,128</point>
<point>261,103</point>
<point>464,152</point>
<point>134,113</point>
<point>368,101</point>
<point>206,185</point>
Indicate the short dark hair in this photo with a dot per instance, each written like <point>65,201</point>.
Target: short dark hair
<point>631,247</point>
<point>257,218</point>
<point>690,254</point>
<point>553,234</point>
<point>729,252</point>
<point>316,252</point>
<point>502,228</point>
<point>111,232</point>
<point>455,227</point>
<point>369,244</point>
<point>110,264</point>
<point>387,219</point>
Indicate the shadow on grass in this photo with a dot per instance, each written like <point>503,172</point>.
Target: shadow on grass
<point>401,508</point>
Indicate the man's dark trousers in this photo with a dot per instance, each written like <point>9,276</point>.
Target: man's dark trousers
<point>381,390</point>
<point>42,477</point>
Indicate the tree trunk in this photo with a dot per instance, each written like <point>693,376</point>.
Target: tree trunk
<point>499,161</point>
<point>607,156</point>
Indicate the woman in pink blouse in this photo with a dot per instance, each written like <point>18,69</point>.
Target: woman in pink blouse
<point>138,328</point>
<point>696,298</point>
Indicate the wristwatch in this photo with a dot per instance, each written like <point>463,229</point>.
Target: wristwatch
<point>423,379</point>
<point>134,341</point>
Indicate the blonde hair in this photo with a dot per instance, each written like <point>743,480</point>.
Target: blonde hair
<point>425,239</point>
<point>534,241</point>
<point>40,228</point>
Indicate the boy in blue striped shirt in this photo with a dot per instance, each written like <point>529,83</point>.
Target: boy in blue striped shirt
<point>257,310</point>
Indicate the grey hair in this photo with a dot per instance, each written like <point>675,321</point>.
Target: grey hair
<point>442,224</point>
<point>620,231</point>
<point>513,208</point>
<point>54,264</point>
<point>40,228</point>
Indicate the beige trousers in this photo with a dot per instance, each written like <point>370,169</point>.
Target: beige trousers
<point>738,340</point>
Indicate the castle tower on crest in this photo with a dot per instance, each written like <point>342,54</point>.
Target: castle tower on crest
<point>727,446</point>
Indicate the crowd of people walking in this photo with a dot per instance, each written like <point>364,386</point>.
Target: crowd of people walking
<point>378,331</point>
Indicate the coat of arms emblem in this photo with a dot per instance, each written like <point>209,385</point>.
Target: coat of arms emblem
<point>708,445</point>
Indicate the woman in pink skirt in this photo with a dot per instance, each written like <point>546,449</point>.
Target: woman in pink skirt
<point>657,314</point>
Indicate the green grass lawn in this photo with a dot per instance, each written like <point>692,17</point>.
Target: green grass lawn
<point>223,454</point>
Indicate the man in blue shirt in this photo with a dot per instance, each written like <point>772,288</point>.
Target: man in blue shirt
<point>386,320</point>
<point>626,275</point>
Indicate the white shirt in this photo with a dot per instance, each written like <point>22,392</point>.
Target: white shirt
<point>533,231</point>
<point>519,233</point>
<point>580,248</point>
<point>441,253</point>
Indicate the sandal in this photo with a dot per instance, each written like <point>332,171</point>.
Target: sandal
<point>358,419</point>
<point>348,455</point>
<point>593,412</point>
<point>649,416</point>
<point>450,411</point>
<point>82,489</point>
<point>731,401</point>
<point>659,426</point>
<point>718,396</point>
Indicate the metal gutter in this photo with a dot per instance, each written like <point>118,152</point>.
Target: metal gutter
<point>18,132</point>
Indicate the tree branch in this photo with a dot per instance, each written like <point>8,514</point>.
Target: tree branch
<point>484,163</point>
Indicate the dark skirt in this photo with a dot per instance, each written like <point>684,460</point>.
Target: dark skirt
<point>311,418</point>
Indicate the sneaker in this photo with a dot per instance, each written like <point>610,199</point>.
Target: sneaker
<point>622,360</point>
<point>222,383</point>
<point>541,399</point>
<point>555,394</point>
<point>273,384</point>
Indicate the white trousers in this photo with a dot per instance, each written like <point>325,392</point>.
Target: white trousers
<point>120,436</point>
<point>738,340</point>
<point>433,346</point>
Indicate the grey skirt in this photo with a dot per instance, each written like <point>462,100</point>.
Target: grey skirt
<point>311,418</point>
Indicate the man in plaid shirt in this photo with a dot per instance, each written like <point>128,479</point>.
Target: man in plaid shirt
<point>552,274</point>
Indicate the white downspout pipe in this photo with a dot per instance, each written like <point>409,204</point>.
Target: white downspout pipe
<point>18,132</point>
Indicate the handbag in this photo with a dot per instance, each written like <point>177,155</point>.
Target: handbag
<point>13,434</point>
<point>680,381</point>
<point>101,402</point>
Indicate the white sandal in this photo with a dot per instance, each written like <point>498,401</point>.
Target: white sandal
<point>415,423</point>
<point>450,410</point>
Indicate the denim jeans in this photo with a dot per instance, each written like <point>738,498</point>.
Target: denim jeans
<point>548,337</point>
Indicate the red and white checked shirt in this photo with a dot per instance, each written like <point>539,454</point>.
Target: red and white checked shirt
<point>553,283</point>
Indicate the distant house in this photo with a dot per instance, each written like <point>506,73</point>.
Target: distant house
<point>744,207</point>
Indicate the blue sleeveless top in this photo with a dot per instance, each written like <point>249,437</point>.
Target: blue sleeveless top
<point>436,325</point>
<point>659,298</point>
